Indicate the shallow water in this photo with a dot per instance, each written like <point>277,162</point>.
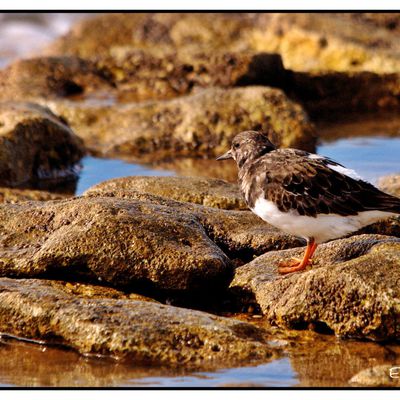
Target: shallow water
<point>371,157</point>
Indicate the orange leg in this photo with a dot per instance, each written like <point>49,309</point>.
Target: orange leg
<point>286,267</point>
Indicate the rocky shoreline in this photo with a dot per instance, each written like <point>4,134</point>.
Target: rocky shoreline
<point>149,269</point>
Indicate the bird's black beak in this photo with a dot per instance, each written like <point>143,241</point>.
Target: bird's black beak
<point>225,156</point>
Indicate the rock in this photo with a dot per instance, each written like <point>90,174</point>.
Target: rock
<point>208,192</point>
<point>390,184</point>
<point>241,234</point>
<point>327,41</point>
<point>8,195</point>
<point>322,93</point>
<point>35,145</point>
<point>51,77</point>
<point>162,32</point>
<point>306,41</point>
<point>112,240</point>
<point>129,238</point>
<point>196,125</point>
<point>144,332</point>
<point>377,376</point>
<point>142,75</point>
<point>351,290</point>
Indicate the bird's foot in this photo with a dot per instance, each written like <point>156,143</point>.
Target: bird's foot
<point>292,265</point>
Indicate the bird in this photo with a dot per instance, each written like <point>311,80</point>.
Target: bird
<point>303,194</point>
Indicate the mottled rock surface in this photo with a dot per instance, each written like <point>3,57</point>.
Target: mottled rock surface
<point>241,234</point>
<point>145,332</point>
<point>306,41</point>
<point>208,192</point>
<point>352,288</point>
<point>35,145</point>
<point>114,240</point>
<point>143,74</point>
<point>377,376</point>
<point>195,125</point>
<point>8,195</point>
<point>51,77</point>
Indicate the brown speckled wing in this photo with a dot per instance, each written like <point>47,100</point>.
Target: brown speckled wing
<point>293,181</point>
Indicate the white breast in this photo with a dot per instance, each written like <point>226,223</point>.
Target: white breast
<point>322,228</point>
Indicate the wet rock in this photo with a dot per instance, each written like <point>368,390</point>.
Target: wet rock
<point>51,77</point>
<point>377,376</point>
<point>208,192</point>
<point>240,234</point>
<point>351,289</point>
<point>390,184</point>
<point>195,125</point>
<point>8,195</point>
<point>146,333</point>
<point>35,145</point>
<point>112,240</point>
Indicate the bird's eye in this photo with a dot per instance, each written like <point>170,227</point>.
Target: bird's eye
<point>236,145</point>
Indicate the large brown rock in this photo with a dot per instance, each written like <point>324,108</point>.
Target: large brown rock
<point>52,77</point>
<point>195,125</point>
<point>9,195</point>
<point>144,332</point>
<point>113,240</point>
<point>241,234</point>
<point>142,74</point>
<point>352,288</point>
<point>208,192</point>
<point>35,145</point>
<point>306,41</point>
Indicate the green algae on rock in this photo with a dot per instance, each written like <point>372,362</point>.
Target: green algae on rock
<point>143,332</point>
<point>208,192</point>
<point>202,124</point>
<point>35,145</point>
<point>352,288</point>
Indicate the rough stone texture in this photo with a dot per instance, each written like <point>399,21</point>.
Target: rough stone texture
<point>208,192</point>
<point>322,93</point>
<point>145,332</point>
<point>51,77</point>
<point>390,184</point>
<point>117,241</point>
<point>306,41</point>
<point>195,125</point>
<point>8,195</point>
<point>377,376</point>
<point>352,289</point>
<point>241,234</point>
<point>132,238</point>
<point>35,144</point>
<point>163,32</point>
<point>142,74</point>
<point>326,41</point>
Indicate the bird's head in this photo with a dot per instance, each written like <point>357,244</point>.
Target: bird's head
<point>248,145</point>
